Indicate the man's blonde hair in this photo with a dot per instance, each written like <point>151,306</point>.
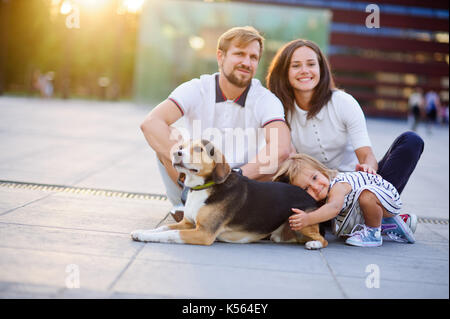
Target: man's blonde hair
<point>298,162</point>
<point>243,36</point>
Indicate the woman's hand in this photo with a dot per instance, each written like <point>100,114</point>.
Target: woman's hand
<point>366,168</point>
<point>299,220</point>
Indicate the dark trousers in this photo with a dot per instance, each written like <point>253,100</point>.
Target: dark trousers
<point>400,160</point>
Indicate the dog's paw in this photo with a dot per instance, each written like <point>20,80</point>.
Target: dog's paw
<point>138,235</point>
<point>275,238</point>
<point>313,244</point>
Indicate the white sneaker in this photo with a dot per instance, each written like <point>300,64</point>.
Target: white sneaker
<point>177,212</point>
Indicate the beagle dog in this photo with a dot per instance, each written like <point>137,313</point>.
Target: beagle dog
<point>226,206</point>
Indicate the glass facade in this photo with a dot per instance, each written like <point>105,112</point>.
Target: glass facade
<point>178,39</point>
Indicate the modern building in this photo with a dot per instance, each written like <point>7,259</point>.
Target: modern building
<point>379,52</point>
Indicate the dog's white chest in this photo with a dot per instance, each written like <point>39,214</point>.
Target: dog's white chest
<point>195,200</point>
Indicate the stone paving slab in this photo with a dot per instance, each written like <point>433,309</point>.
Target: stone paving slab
<point>37,267</point>
<point>413,268</point>
<point>86,212</point>
<point>130,170</point>
<point>216,281</point>
<point>392,290</point>
<point>66,240</point>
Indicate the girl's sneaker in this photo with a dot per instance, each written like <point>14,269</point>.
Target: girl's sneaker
<point>409,219</point>
<point>365,237</point>
<point>399,232</point>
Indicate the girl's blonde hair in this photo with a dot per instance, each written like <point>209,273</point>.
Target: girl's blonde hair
<point>296,163</point>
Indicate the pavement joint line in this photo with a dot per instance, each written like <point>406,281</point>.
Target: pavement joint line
<point>59,291</point>
<point>333,275</point>
<point>26,204</point>
<point>163,261</point>
<point>63,252</point>
<point>129,195</point>
<point>111,286</point>
<point>65,228</point>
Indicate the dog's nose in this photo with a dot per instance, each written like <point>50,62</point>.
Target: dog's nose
<point>177,156</point>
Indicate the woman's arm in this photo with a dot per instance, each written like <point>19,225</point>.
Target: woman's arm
<point>328,211</point>
<point>353,119</point>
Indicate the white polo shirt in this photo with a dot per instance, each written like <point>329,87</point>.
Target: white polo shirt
<point>234,126</point>
<point>333,135</point>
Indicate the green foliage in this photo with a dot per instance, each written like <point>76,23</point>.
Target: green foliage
<point>37,39</point>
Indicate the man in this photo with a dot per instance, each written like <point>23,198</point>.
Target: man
<point>229,101</point>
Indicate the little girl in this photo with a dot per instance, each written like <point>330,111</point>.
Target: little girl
<point>350,198</point>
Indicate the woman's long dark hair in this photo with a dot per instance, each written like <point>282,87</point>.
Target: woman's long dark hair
<point>277,79</point>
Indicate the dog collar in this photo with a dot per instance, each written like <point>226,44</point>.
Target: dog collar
<point>204,186</point>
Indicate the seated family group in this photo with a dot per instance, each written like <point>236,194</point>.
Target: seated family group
<point>313,136</point>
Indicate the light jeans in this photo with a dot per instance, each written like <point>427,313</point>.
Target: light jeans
<point>173,191</point>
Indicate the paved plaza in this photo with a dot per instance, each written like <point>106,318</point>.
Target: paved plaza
<point>78,176</point>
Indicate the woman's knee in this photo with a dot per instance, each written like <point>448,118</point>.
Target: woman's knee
<point>412,140</point>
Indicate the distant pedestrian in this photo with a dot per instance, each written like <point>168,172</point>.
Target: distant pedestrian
<point>358,200</point>
<point>443,116</point>
<point>43,83</point>
<point>432,105</point>
<point>416,105</point>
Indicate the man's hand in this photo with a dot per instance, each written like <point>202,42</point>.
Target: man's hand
<point>299,220</point>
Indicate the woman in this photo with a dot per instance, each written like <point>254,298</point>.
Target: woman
<point>328,123</point>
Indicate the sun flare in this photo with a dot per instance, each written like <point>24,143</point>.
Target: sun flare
<point>133,6</point>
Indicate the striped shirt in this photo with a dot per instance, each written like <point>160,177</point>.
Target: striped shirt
<point>359,181</point>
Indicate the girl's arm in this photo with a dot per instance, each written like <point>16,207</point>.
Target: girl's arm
<point>328,211</point>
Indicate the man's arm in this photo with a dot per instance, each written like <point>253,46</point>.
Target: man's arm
<point>157,131</point>
<point>276,151</point>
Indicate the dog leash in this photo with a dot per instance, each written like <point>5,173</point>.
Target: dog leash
<point>162,220</point>
<point>184,194</point>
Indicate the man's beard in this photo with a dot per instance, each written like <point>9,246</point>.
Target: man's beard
<point>233,79</point>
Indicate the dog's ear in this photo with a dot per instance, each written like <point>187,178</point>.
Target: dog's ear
<point>209,147</point>
<point>221,172</point>
<point>221,167</point>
